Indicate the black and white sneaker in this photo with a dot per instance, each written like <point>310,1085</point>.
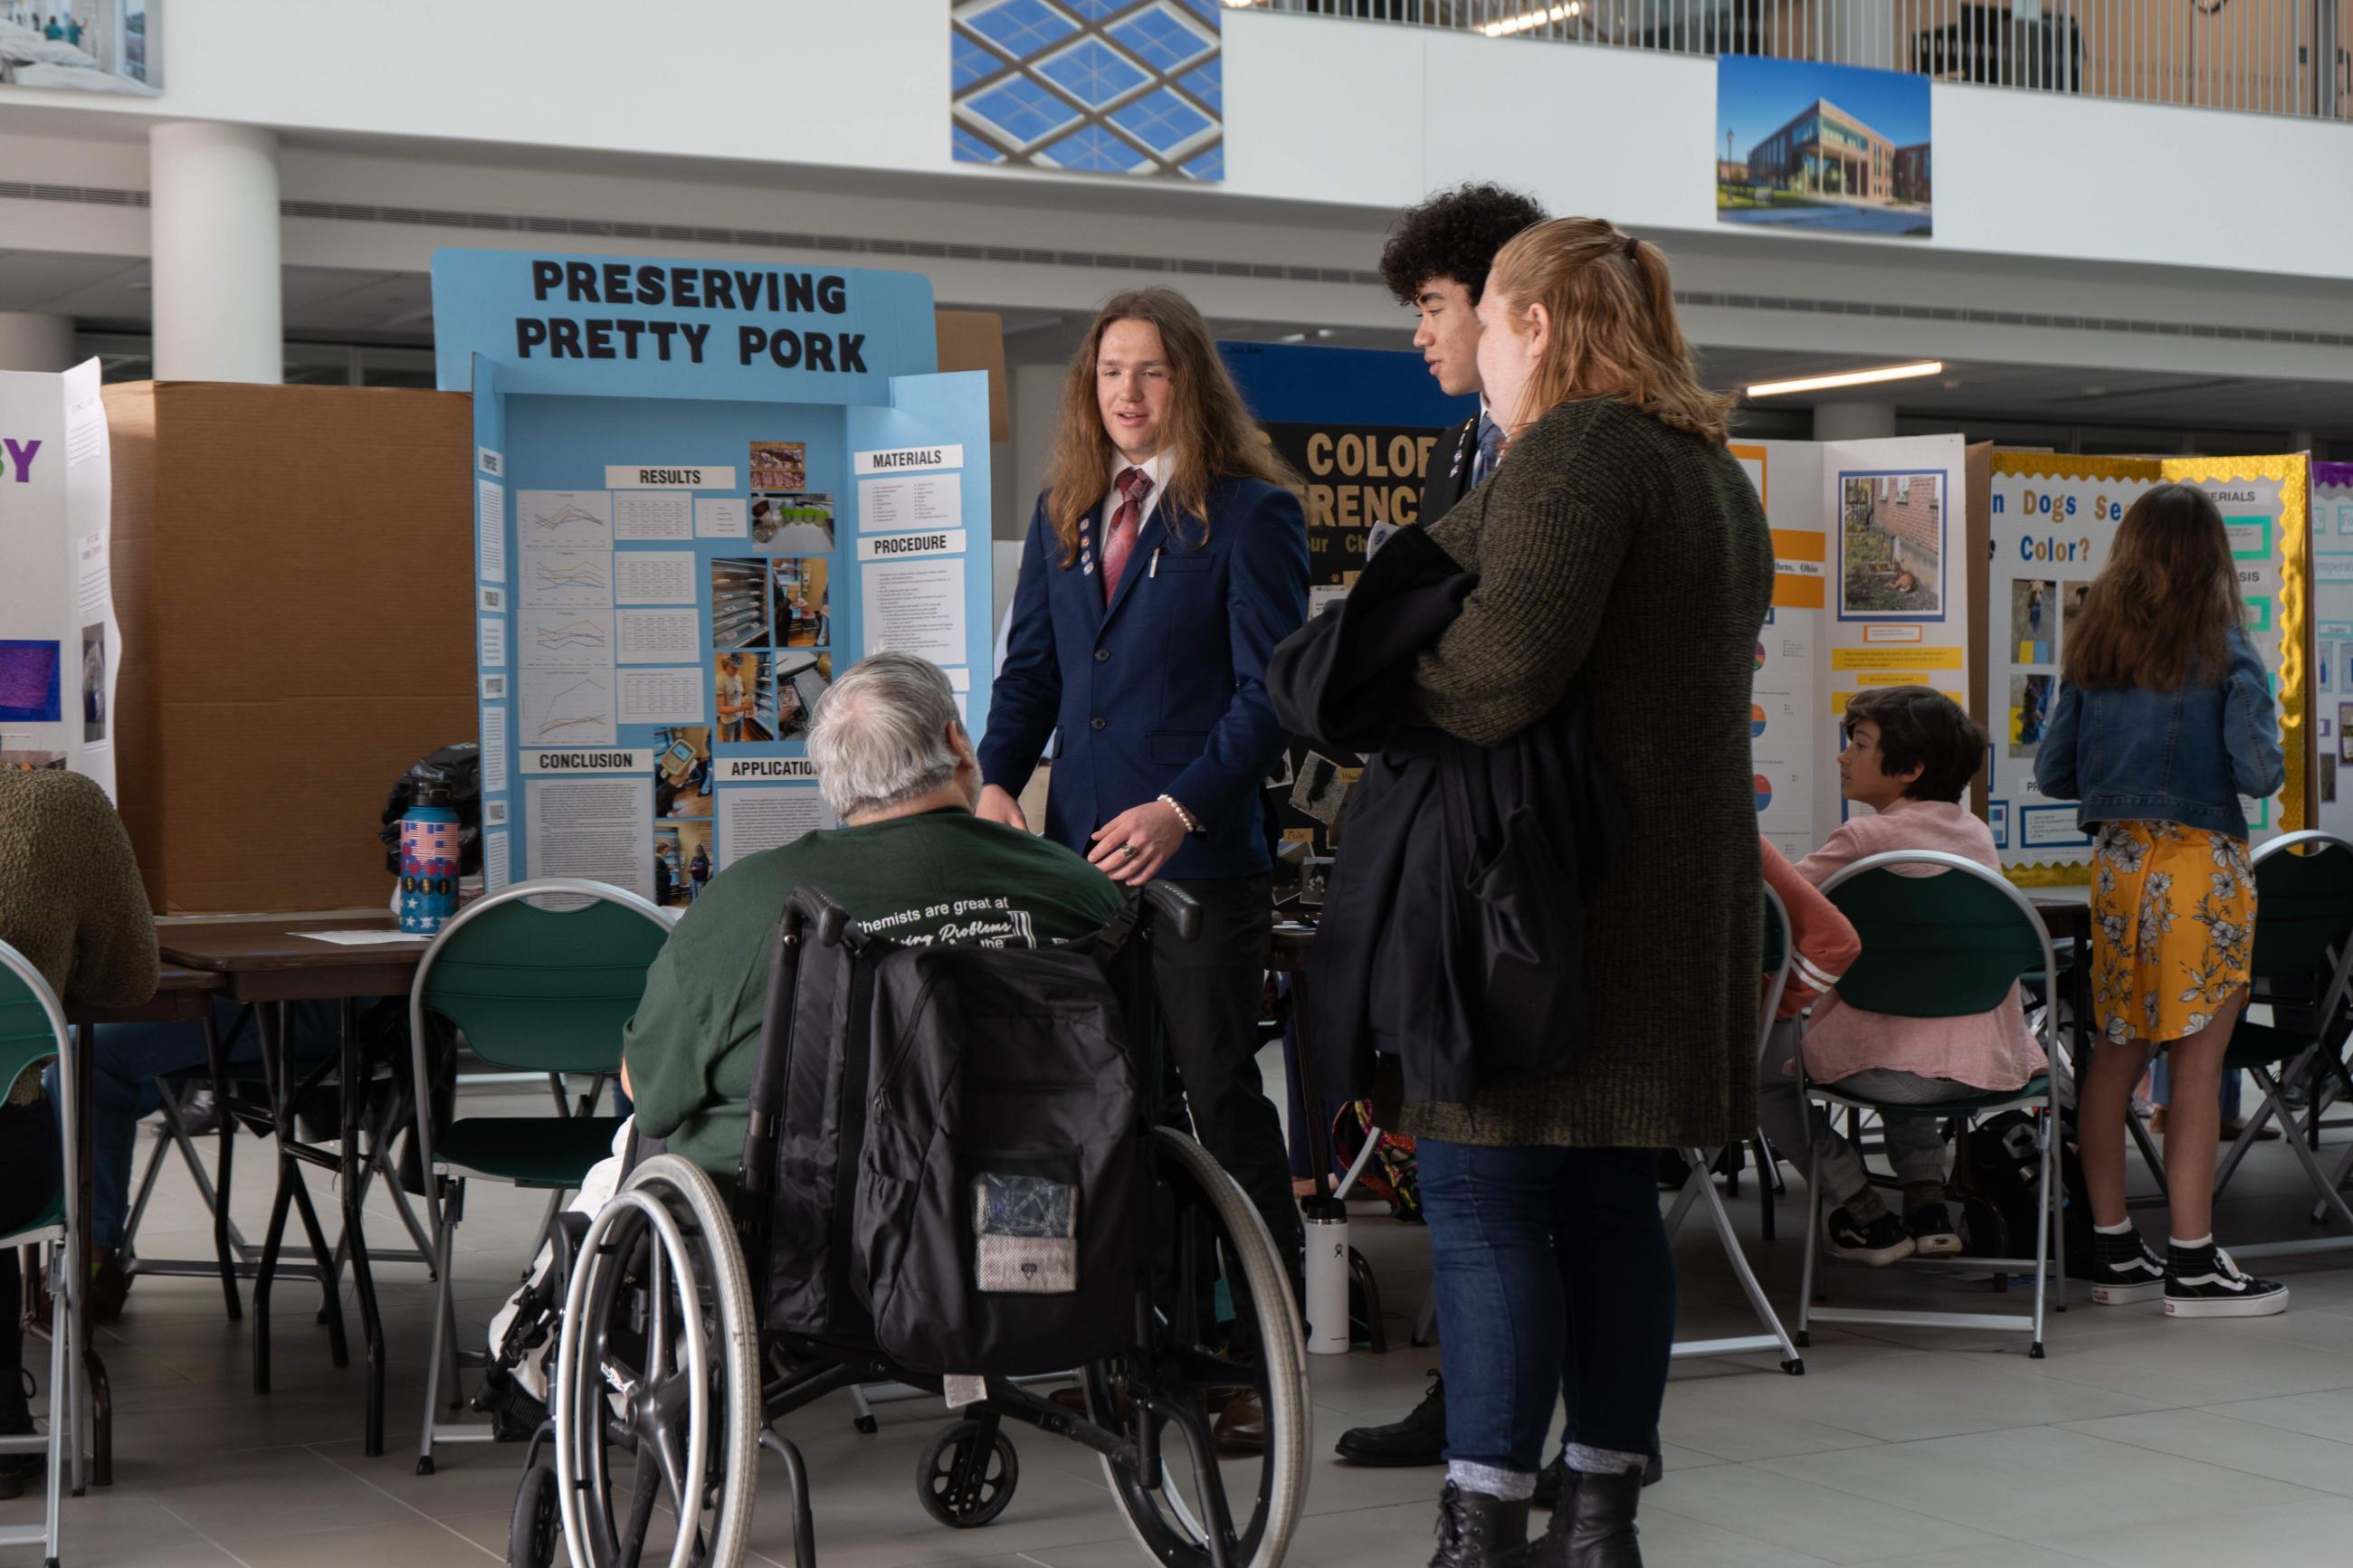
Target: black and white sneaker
<point>2203,1282</point>
<point>1936,1230</point>
<point>2121,1279</point>
<point>1878,1241</point>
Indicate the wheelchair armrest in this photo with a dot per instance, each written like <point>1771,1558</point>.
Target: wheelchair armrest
<point>570,1226</point>
<point>1176,907</point>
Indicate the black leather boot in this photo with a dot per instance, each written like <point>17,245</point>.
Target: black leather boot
<point>1475,1530</point>
<point>1593,1523</point>
<point>1419,1439</point>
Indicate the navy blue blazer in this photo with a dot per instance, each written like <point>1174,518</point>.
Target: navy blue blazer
<point>1163,691</point>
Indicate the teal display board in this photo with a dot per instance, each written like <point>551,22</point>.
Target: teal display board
<point>699,491</point>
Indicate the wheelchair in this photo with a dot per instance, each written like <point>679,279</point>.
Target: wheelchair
<point>691,1323</point>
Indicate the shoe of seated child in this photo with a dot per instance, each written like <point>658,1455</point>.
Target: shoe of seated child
<point>1853,1232</point>
<point>2124,1269</point>
<point>1934,1224</point>
<point>2202,1282</point>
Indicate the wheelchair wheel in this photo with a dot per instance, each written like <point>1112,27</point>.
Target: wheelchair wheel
<point>967,1474</point>
<point>657,1363</point>
<point>537,1530</point>
<point>1215,1236</point>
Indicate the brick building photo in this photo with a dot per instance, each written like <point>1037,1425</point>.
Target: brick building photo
<point>1891,545</point>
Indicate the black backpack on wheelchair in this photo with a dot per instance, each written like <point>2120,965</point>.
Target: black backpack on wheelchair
<point>958,1165</point>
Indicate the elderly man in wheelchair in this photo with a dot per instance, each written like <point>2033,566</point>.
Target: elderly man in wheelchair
<point>900,1117</point>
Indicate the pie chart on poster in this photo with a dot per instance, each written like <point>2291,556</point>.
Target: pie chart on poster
<point>1760,656</point>
<point>1756,719</point>
<point>1764,792</point>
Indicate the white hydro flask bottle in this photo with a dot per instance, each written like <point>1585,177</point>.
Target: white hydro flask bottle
<point>1327,1275</point>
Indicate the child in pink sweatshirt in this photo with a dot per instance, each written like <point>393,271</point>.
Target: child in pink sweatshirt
<point>1909,756</point>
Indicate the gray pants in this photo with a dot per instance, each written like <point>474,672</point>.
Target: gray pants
<point>1915,1145</point>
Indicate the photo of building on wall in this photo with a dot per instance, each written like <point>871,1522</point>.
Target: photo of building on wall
<point>1891,546</point>
<point>1823,148</point>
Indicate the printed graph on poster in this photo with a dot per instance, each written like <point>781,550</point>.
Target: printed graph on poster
<point>566,707</point>
<point>1764,792</point>
<point>564,520</point>
<point>1892,538</point>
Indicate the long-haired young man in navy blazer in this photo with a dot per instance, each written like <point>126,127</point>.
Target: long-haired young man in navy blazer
<point>1164,561</point>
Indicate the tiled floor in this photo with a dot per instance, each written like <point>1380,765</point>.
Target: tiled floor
<point>2138,1441</point>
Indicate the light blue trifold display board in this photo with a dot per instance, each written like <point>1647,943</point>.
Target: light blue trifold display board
<point>699,491</point>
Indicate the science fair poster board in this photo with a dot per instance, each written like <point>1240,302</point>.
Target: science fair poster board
<point>1869,589</point>
<point>60,646</point>
<point>2054,523</point>
<point>701,490</point>
<point>1361,427</point>
<point>2332,654</point>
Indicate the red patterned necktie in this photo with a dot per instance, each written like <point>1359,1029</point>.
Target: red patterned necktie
<point>1119,540</point>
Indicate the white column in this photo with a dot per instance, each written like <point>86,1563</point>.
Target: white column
<point>214,228</point>
<point>1853,421</point>
<point>29,342</point>
<point>1036,405</point>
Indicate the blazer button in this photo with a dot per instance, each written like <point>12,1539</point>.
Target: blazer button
<point>1102,656</point>
<point>1099,723</point>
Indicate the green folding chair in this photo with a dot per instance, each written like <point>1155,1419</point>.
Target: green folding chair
<point>2304,930</point>
<point>1699,1187</point>
<point>32,1029</point>
<point>532,989</point>
<point>1942,946</point>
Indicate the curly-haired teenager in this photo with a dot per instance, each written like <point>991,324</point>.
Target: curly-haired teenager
<point>1436,261</point>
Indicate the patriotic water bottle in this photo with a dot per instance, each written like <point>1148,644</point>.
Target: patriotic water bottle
<point>429,862</point>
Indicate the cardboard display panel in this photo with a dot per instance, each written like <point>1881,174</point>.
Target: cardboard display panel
<point>291,573</point>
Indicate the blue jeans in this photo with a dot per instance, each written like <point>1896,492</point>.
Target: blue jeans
<point>129,1059</point>
<point>1553,1274</point>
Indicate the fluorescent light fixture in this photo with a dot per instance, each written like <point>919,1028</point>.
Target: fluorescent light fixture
<point>1527,19</point>
<point>1849,378</point>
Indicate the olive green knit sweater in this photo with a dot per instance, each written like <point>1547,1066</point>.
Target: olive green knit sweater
<point>71,898</point>
<point>1632,560</point>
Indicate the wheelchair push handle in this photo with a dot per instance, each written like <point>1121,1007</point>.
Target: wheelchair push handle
<point>1175,909</point>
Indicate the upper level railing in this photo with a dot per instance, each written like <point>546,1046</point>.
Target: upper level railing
<point>2260,56</point>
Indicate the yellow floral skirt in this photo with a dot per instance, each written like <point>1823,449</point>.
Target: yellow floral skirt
<point>2173,922</point>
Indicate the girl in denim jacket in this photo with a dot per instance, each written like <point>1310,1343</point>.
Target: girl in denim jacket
<point>2164,720</point>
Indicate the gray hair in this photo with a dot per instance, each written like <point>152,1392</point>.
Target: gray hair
<point>879,737</point>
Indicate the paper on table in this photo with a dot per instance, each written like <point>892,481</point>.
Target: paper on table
<point>360,938</point>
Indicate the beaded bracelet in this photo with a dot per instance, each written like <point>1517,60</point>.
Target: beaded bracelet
<point>1192,824</point>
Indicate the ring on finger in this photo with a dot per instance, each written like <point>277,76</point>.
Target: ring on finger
<point>1128,851</point>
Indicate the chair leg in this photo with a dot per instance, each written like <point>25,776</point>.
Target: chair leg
<point>1790,1361</point>
<point>1813,1238</point>
<point>2332,1201</point>
<point>172,1134</point>
<point>443,1316</point>
<point>61,1401</point>
<point>2046,1217</point>
<point>1770,1188</point>
<point>216,1068</point>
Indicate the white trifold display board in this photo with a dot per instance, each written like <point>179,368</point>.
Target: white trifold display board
<point>1870,589</point>
<point>60,648</point>
<point>2332,657</point>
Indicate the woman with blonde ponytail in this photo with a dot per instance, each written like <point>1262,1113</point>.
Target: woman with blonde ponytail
<point>1623,563</point>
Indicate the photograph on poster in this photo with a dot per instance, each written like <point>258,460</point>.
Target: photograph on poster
<point>2072,595</point>
<point>779,465</point>
<point>2029,711</point>
<point>743,695</point>
<point>29,682</point>
<point>93,682</point>
<point>2033,617</point>
<point>682,862</point>
<point>1822,148</point>
<point>801,680</point>
<point>793,524</point>
<point>2345,733</point>
<point>682,771</point>
<point>739,601</point>
<point>803,602</point>
<point>81,46</point>
<point>1891,546</point>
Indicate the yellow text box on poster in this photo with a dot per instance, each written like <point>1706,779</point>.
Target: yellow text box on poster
<point>1800,578</point>
<point>1904,658</point>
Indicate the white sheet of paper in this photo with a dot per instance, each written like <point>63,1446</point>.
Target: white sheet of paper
<point>658,636</point>
<point>361,938</point>
<point>665,696</point>
<point>567,579</point>
<point>494,749</point>
<point>654,577</point>
<point>653,514</point>
<point>490,502</point>
<point>564,520</point>
<point>925,501</point>
<point>916,607</point>
<point>751,820</point>
<point>566,707</point>
<point>494,642</point>
<point>721,517</point>
<point>594,827</point>
<point>496,872</point>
